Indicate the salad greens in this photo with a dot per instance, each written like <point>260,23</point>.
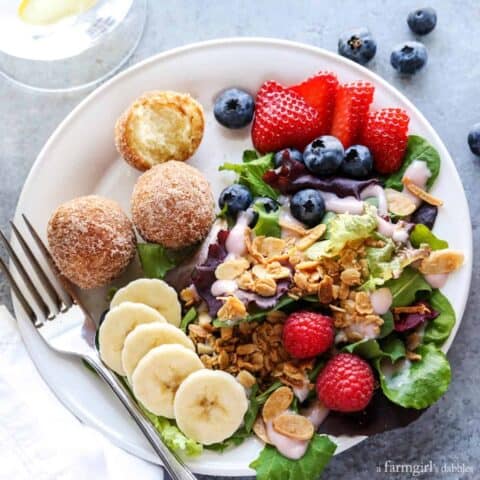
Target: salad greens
<point>392,348</point>
<point>407,287</point>
<point>422,234</point>
<point>155,259</point>
<point>250,174</point>
<point>438,329</point>
<point>188,318</point>
<point>417,149</point>
<point>268,222</point>
<point>272,465</point>
<point>416,384</point>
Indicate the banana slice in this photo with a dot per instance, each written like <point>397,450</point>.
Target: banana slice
<point>118,323</point>
<point>209,406</point>
<point>154,293</point>
<point>158,375</point>
<point>145,337</point>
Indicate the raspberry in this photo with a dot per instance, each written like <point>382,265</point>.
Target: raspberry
<point>307,334</point>
<point>386,135</point>
<point>346,383</point>
<point>283,119</point>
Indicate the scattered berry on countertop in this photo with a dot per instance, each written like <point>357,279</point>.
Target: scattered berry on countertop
<point>324,155</point>
<point>308,207</point>
<point>409,57</point>
<point>282,119</point>
<point>386,135</point>
<point>425,214</point>
<point>291,153</point>
<point>319,92</point>
<point>422,20</point>
<point>474,139</point>
<point>351,108</point>
<point>358,45</point>
<point>307,334</point>
<point>234,108</point>
<point>346,383</point>
<point>236,198</point>
<point>357,162</point>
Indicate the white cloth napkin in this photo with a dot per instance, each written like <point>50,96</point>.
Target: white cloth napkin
<point>39,438</point>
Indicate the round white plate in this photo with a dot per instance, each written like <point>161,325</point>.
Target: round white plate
<point>80,158</point>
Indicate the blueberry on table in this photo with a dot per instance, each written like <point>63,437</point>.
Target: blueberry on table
<point>236,198</point>
<point>234,108</point>
<point>357,45</point>
<point>358,162</point>
<point>292,153</point>
<point>425,214</point>
<point>474,139</point>
<point>324,155</point>
<point>422,20</point>
<point>409,57</point>
<point>308,207</point>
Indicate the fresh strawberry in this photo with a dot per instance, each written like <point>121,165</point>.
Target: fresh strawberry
<point>351,109</point>
<point>385,134</point>
<point>319,92</point>
<point>307,334</point>
<point>283,119</point>
<point>346,383</point>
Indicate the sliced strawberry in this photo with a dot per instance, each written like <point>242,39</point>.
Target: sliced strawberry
<point>283,119</point>
<point>319,92</point>
<point>386,135</point>
<point>351,109</point>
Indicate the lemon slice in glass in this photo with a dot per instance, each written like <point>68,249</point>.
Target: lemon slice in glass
<point>46,12</point>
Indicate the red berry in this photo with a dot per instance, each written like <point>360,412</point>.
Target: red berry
<point>307,334</point>
<point>282,119</point>
<point>351,109</point>
<point>346,383</point>
<point>319,92</point>
<point>386,135</point>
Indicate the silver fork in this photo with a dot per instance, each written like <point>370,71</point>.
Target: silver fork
<point>69,329</point>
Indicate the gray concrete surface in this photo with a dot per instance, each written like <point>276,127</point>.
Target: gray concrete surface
<point>447,92</point>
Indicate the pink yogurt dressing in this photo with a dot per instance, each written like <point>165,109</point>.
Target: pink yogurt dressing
<point>223,287</point>
<point>419,174</point>
<point>235,243</point>
<point>333,203</point>
<point>436,280</point>
<point>381,300</point>
<point>316,413</point>
<point>378,192</point>
<point>396,231</point>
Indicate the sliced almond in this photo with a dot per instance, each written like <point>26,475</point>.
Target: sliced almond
<point>442,261</point>
<point>231,269</point>
<point>277,403</point>
<point>265,287</point>
<point>420,193</point>
<point>260,430</point>
<point>294,426</point>
<point>232,309</point>
<point>399,203</point>
<point>311,237</point>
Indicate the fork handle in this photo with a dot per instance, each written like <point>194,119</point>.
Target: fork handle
<point>173,464</point>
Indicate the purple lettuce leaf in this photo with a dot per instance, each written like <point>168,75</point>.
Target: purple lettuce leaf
<point>263,303</point>
<point>407,321</point>
<point>203,275</point>
<point>293,176</point>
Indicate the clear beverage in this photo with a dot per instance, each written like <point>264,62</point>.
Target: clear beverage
<point>71,52</point>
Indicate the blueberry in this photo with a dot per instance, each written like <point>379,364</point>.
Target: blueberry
<point>357,45</point>
<point>234,108</point>
<point>474,139</point>
<point>409,57</point>
<point>292,152</point>
<point>269,206</point>
<point>324,155</point>
<point>422,21</point>
<point>308,207</point>
<point>236,197</point>
<point>358,162</point>
<point>425,214</point>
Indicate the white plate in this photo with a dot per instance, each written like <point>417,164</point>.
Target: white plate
<point>80,158</point>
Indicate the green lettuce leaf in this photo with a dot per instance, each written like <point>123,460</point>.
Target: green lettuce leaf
<point>407,287</point>
<point>250,174</point>
<point>417,149</point>
<point>272,465</point>
<point>343,228</point>
<point>392,348</point>
<point>249,155</point>
<point>388,324</point>
<point>173,438</point>
<point>422,234</point>
<point>156,260</point>
<point>267,223</point>
<point>382,265</point>
<point>438,329</point>
<point>188,318</point>
<point>415,384</point>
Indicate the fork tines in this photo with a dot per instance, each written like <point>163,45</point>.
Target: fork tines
<point>57,295</point>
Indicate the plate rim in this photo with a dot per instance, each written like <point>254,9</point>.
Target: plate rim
<point>112,434</point>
